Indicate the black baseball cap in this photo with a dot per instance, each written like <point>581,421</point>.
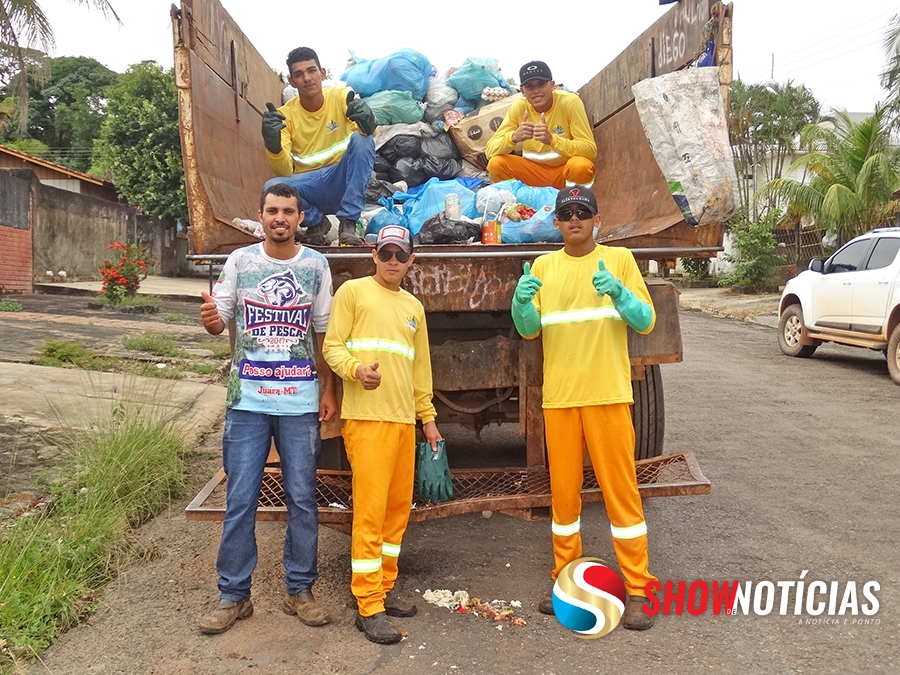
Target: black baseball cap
<point>534,70</point>
<point>577,194</point>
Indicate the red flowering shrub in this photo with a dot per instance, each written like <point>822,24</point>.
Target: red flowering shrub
<point>122,277</point>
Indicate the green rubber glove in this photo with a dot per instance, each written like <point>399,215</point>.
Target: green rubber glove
<point>360,112</point>
<point>635,313</point>
<point>272,124</point>
<point>433,474</point>
<point>524,313</point>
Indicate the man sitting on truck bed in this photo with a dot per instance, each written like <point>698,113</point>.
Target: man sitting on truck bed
<point>581,299</point>
<point>321,143</point>
<point>557,142</point>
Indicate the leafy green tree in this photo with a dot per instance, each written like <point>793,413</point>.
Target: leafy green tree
<point>854,173</point>
<point>139,148</point>
<point>30,146</point>
<point>890,79</point>
<point>757,258</point>
<point>765,124</point>
<point>66,113</point>
<point>23,27</point>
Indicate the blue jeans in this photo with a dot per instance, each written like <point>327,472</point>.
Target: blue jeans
<point>340,188</point>
<point>245,446</point>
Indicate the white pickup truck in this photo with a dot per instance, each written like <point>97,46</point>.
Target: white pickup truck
<point>852,298</point>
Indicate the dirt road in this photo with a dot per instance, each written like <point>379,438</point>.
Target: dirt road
<point>803,458</point>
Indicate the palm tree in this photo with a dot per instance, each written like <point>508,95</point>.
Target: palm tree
<point>23,25</point>
<point>890,79</point>
<point>854,174</point>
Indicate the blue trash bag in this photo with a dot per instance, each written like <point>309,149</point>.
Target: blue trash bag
<point>392,215</point>
<point>430,200</point>
<point>404,70</point>
<point>395,107</point>
<point>474,75</point>
<point>538,228</point>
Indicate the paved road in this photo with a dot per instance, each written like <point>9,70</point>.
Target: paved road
<point>803,458</point>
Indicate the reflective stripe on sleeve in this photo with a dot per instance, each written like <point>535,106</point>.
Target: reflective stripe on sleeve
<point>566,530</point>
<point>632,532</point>
<point>362,566</point>
<point>376,345</point>
<point>390,550</point>
<point>576,315</point>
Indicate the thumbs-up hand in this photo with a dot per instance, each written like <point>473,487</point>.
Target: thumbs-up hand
<point>209,315</point>
<point>359,111</point>
<point>541,132</point>
<point>369,376</point>
<point>272,124</point>
<point>527,287</point>
<point>605,283</point>
<point>525,130</point>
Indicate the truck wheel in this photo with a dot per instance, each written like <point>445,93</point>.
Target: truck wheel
<point>790,326</point>
<point>893,355</point>
<point>648,414</point>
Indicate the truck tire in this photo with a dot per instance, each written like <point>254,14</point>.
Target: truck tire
<point>893,355</point>
<point>790,325</point>
<point>648,414</point>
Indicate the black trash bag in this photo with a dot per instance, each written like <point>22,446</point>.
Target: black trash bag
<point>444,168</point>
<point>381,164</point>
<point>409,170</point>
<point>440,146</point>
<point>439,229</point>
<point>377,188</point>
<point>401,146</point>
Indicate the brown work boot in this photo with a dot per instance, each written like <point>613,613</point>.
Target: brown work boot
<point>545,606</point>
<point>223,617</point>
<point>396,606</point>
<point>315,234</point>
<point>347,235</point>
<point>306,608</point>
<point>635,618</point>
<point>378,628</point>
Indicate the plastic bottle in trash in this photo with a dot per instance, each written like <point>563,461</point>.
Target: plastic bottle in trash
<point>452,207</point>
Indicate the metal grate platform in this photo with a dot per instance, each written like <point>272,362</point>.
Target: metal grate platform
<point>473,490</point>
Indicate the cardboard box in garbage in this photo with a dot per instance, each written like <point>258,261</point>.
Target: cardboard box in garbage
<point>472,132</point>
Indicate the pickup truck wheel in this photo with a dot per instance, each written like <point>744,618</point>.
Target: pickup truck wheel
<point>648,414</point>
<point>893,355</point>
<point>790,327</point>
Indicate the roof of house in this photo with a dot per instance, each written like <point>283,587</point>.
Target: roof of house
<point>25,157</point>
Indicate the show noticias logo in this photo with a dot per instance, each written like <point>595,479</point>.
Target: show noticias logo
<point>589,599</point>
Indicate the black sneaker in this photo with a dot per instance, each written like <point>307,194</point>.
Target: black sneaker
<point>378,628</point>
<point>347,235</point>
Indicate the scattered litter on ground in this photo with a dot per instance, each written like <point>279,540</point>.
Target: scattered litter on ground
<point>461,603</point>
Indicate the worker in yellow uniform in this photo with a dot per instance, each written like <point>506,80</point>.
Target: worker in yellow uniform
<point>582,299</point>
<point>377,343</point>
<point>550,127</point>
<point>321,143</point>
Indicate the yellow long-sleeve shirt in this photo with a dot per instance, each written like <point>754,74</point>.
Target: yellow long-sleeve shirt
<point>311,140</point>
<point>371,323</point>
<point>585,340</point>
<point>568,124</point>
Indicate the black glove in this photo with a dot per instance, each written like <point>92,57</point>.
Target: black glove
<point>272,124</point>
<point>360,112</point>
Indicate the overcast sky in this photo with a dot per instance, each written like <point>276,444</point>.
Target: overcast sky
<point>833,47</point>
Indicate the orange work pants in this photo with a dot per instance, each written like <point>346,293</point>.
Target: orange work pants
<point>382,456</point>
<point>577,171</point>
<point>609,434</point>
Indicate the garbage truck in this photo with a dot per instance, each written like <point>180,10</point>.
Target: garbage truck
<point>483,373</point>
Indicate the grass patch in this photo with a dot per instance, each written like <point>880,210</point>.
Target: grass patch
<point>10,306</point>
<point>158,344</point>
<point>167,372</point>
<point>182,319</point>
<point>203,368</point>
<point>133,301</point>
<point>62,353</point>
<point>221,347</point>
<point>54,562</point>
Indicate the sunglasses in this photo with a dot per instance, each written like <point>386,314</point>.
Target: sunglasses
<point>581,213</point>
<point>384,255</point>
